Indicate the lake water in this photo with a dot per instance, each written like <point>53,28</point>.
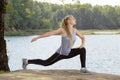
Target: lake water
<point>103,53</point>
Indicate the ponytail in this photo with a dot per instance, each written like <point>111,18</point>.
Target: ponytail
<point>65,27</point>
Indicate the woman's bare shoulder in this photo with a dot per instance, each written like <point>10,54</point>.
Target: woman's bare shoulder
<point>61,29</point>
<point>63,32</point>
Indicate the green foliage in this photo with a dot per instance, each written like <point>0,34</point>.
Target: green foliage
<point>32,15</point>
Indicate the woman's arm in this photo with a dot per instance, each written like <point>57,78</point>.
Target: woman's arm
<point>58,31</point>
<point>82,38</point>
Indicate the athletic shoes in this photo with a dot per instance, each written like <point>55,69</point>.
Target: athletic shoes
<point>84,71</point>
<point>24,63</point>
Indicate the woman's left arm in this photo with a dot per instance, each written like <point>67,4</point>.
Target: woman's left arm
<point>82,38</point>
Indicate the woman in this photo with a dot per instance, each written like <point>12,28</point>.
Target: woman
<point>65,51</point>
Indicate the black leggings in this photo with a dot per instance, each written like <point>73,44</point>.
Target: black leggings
<point>56,57</point>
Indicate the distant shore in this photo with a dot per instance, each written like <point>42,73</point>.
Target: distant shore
<point>55,75</point>
<point>38,32</point>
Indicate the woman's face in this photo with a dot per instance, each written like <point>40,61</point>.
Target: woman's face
<point>72,20</point>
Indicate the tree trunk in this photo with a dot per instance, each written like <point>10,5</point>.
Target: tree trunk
<point>3,55</point>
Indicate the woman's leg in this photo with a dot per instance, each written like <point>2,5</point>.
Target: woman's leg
<point>54,58</point>
<point>81,52</point>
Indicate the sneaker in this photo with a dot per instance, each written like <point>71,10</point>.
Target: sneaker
<point>24,63</point>
<point>84,71</point>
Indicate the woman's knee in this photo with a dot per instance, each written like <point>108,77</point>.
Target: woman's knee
<point>45,63</point>
<point>83,50</point>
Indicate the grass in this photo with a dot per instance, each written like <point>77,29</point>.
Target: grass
<point>25,32</point>
<point>91,31</point>
<point>37,32</point>
<point>1,72</point>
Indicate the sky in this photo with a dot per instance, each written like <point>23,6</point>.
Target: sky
<point>93,2</point>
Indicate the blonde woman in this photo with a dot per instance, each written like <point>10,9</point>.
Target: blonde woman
<point>65,51</point>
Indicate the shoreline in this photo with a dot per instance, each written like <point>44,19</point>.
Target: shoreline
<point>37,32</point>
<point>55,75</point>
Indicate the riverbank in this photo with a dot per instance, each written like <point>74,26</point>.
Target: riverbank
<point>37,32</point>
<point>55,75</point>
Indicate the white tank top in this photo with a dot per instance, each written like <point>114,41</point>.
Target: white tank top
<point>65,47</point>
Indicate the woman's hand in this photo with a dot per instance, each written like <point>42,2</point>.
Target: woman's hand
<point>34,39</point>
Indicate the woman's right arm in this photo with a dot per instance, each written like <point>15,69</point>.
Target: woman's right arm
<point>58,31</point>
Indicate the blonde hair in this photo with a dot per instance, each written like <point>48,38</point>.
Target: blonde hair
<point>64,25</point>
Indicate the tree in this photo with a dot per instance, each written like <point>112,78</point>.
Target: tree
<point>3,55</point>
<point>25,15</point>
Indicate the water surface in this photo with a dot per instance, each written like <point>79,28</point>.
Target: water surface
<point>103,53</point>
